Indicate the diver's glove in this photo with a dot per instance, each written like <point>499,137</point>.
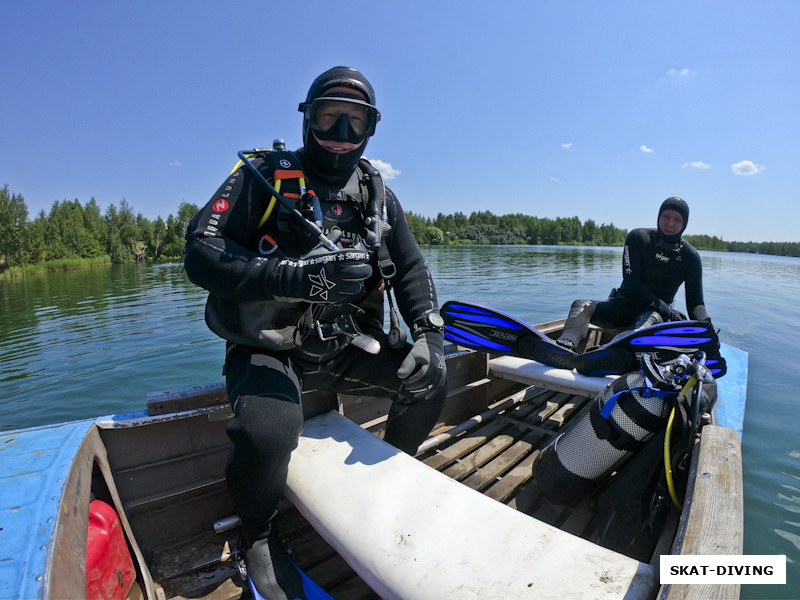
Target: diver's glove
<point>669,313</point>
<point>423,372</point>
<point>322,275</point>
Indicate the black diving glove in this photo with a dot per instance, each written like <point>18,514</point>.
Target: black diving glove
<point>322,275</point>
<point>423,372</point>
<point>676,315</point>
<point>669,313</point>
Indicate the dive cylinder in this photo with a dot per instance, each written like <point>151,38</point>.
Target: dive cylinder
<point>620,421</point>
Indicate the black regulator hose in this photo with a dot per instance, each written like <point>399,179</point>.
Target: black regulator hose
<point>312,227</point>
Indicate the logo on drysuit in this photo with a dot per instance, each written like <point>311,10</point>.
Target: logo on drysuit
<point>221,205</point>
<point>626,260</point>
<point>665,258</point>
<point>320,285</point>
<point>284,163</point>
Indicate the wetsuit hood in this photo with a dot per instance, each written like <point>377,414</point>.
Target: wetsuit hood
<point>334,169</point>
<point>678,205</point>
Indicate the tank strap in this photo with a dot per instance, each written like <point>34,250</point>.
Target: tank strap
<point>606,429</point>
<point>644,392</point>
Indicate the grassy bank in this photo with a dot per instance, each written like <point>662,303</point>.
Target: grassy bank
<point>65,264</point>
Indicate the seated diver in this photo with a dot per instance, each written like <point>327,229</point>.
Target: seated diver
<point>655,262</point>
<point>296,312</point>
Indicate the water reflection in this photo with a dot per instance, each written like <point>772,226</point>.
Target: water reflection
<point>535,283</point>
<point>81,343</point>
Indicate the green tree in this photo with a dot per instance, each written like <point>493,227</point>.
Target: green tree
<point>55,246</point>
<point>96,226</point>
<point>417,225</point>
<point>568,230</point>
<point>175,234</point>
<point>589,232</point>
<point>433,235</point>
<point>13,220</point>
<point>123,233</point>
<point>159,231</point>
<point>35,247</point>
<point>551,232</point>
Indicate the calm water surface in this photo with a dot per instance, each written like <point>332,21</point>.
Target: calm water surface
<point>84,343</point>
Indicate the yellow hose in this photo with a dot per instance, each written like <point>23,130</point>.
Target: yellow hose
<point>668,462</point>
<point>273,200</point>
<point>271,205</point>
<point>667,458</point>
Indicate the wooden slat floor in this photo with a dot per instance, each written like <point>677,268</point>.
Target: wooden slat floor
<point>495,458</point>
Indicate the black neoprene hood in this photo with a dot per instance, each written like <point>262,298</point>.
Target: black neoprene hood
<point>344,77</point>
<point>678,205</point>
<point>347,77</point>
<point>333,168</point>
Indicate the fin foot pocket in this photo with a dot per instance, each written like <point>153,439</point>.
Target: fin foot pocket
<point>271,573</point>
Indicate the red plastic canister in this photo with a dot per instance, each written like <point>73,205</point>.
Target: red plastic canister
<point>109,568</point>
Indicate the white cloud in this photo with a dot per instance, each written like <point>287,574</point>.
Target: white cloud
<point>679,72</point>
<point>747,167</point>
<point>566,145</point>
<point>175,163</point>
<point>645,149</point>
<point>386,169</point>
<point>554,179</point>
<point>697,164</point>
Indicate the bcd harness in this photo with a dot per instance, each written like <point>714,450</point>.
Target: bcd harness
<point>300,210</point>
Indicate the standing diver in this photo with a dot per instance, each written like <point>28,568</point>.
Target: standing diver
<point>655,263</point>
<point>296,289</point>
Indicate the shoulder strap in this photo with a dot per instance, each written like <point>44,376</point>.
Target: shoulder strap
<point>286,167</point>
<point>357,190</point>
<point>376,219</point>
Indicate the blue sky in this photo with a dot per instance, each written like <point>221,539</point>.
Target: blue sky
<point>592,109</point>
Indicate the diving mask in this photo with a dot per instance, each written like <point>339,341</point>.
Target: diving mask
<point>340,118</point>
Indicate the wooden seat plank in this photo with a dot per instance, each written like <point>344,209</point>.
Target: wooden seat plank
<point>466,465</point>
<point>489,473</point>
<point>510,483</point>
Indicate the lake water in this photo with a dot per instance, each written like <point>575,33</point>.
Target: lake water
<point>92,342</point>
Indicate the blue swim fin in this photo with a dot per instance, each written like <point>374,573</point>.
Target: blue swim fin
<point>664,342</point>
<point>489,330</point>
<point>486,329</point>
<point>311,590</point>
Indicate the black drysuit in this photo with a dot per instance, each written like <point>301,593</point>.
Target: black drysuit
<point>652,272</point>
<point>273,351</point>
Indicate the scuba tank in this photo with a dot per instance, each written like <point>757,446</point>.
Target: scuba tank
<point>621,420</point>
<point>647,493</point>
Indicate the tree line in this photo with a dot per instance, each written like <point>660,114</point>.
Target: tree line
<point>705,242</point>
<point>74,231</point>
<point>488,229</point>
<point>71,230</point>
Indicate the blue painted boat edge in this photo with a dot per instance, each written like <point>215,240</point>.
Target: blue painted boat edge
<point>34,468</point>
<point>732,389</point>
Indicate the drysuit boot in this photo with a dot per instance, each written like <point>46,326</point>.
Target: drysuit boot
<point>271,573</point>
<point>577,324</point>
